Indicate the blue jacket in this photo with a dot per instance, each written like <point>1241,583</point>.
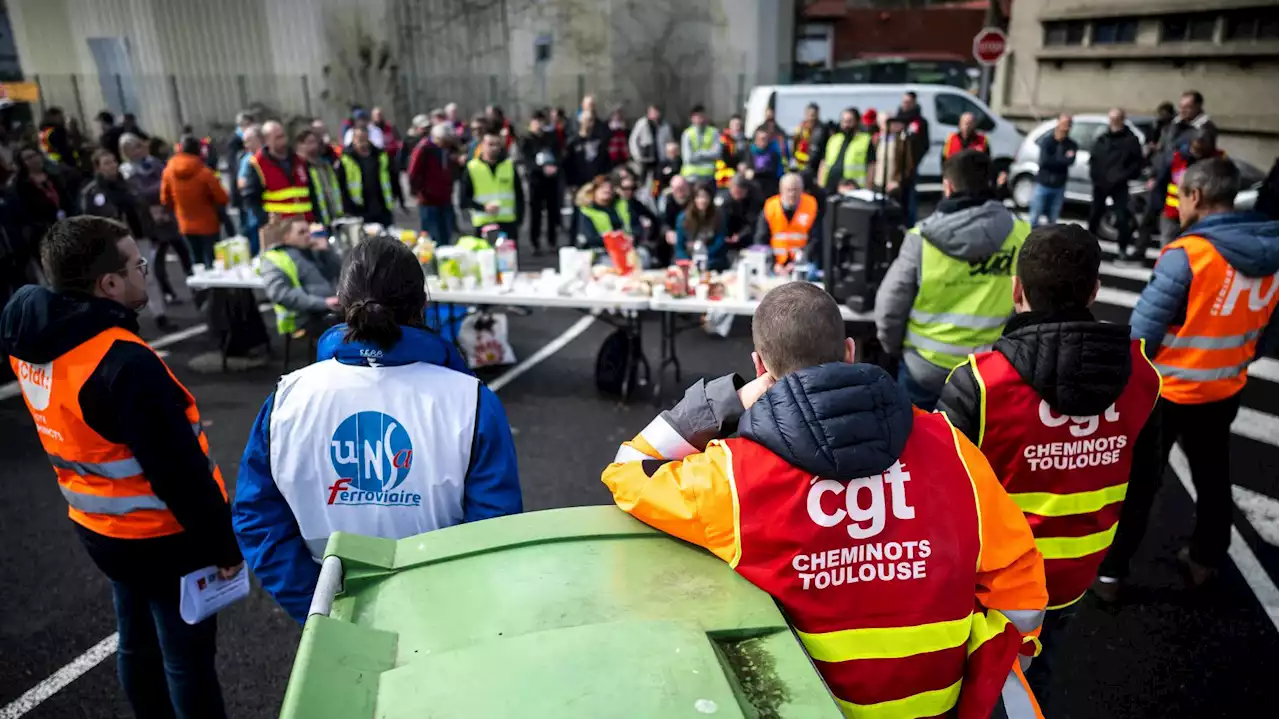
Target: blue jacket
<point>1056,159</point>
<point>264,523</point>
<point>1247,240</point>
<point>717,248</point>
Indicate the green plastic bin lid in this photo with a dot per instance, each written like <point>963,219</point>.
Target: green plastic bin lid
<point>580,612</point>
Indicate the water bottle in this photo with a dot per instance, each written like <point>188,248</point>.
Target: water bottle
<point>799,267</point>
<point>699,262</point>
<point>508,259</point>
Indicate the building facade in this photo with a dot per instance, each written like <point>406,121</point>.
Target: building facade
<point>1081,56</point>
<point>176,62</point>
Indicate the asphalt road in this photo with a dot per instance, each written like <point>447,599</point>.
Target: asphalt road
<point>1166,652</point>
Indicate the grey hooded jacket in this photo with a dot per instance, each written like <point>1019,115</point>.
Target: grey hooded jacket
<point>317,273</point>
<point>964,227</point>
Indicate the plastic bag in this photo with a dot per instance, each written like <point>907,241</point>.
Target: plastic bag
<point>483,341</point>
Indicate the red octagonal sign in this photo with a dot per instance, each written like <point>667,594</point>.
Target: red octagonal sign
<point>989,45</point>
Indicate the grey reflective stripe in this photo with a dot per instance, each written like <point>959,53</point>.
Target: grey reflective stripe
<point>495,197</point>
<point>1200,342</point>
<point>116,469</point>
<point>111,505</point>
<point>915,339</point>
<point>316,547</point>
<point>1026,620</point>
<point>973,322</point>
<point>195,428</point>
<point>1202,375</point>
<point>1016,699</point>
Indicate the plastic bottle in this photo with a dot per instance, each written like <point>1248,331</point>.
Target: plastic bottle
<point>508,259</point>
<point>425,250</point>
<point>799,267</point>
<point>699,264</point>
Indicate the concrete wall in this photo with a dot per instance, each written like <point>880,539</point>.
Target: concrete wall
<point>1239,80</point>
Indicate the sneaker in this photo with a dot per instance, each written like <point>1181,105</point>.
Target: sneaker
<point>164,325</point>
<point>1199,573</point>
<point>1107,589</point>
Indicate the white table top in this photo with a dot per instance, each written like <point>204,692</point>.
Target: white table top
<point>240,278</point>
<point>693,305</point>
<point>525,296</point>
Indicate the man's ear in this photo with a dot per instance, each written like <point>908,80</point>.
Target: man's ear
<point>1018,293</point>
<point>1097,285</point>
<point>850,350</point>
<point>758,363</point>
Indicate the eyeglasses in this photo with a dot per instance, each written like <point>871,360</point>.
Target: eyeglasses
<point>141,267</point>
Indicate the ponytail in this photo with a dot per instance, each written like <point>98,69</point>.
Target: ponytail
<point>371,321</point>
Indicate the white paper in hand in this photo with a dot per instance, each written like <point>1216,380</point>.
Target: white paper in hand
<point>204,593</point>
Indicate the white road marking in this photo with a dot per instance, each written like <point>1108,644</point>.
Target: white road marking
<point>1153,253</point>
<point>1262,511</point>
<point>1119,298</point>
<point>1258,426</point>
<point>61,678</point>
<point>1127,272</point>
<point>551,348</point>
<point>1265,368</point>
<point>1254,575</point>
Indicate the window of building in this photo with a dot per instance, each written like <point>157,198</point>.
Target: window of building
<point>948,108</point>
<point>1250,24</point>
<point>1121,31</point>
<point>1069,32</point>
<point>1188,28</point>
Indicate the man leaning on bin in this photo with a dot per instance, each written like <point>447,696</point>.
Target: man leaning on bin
<point>910,576</point>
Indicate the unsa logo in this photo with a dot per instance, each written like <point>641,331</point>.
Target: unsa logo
<point>373,450</point>
<point>36,381</point>
<point>1080,426</point>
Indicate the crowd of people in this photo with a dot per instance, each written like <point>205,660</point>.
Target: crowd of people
<point>976,529</point>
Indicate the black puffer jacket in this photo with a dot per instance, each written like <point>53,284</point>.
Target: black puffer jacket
<point>1075,363</point>
<point>841,421</point>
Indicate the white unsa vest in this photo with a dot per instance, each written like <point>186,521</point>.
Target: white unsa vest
<point>379,451</point>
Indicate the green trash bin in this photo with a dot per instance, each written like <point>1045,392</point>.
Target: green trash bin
<point>580,612</point>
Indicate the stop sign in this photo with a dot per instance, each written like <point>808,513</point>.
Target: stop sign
<point>989,45</point>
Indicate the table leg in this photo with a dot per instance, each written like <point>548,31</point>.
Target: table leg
<point>628,364</point>
<point>668,356</point>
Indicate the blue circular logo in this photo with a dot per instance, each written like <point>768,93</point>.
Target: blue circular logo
<point>373,450</point>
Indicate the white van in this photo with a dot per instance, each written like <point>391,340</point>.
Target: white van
<point>941,105</point>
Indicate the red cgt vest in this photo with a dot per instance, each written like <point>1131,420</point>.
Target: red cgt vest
<point>1177,168</point>
<point>877,575</point>
<point>1069,475</point>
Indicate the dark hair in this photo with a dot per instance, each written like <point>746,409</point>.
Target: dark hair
<point>1195,96</point>
<point>1166,107</point>
<point>1058,267</point>
<point>381,288</point>
<point>105,118</point>
<point>857,115</point>
<point>100,153</point>
<point>735,116</point>
<point>813,106</point>
<point>696,222</point>
<point>912,94</point>
<point>538,115</point>
<point>188,130</point>
<point>130,117</point>
<point>1206,133</point>
<point>968,171</point>
<point>303,134</point>
<point>76,252</point>
<point>698,110</point>
<point>190,145</point>
<point>1217,179</point>
<point>797,325</point>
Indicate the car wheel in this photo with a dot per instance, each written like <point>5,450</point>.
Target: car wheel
<point>1107,226</point>
<point>1024,188</point>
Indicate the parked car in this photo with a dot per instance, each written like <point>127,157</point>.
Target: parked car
<point>1085,130</point>
<point>941,105</point>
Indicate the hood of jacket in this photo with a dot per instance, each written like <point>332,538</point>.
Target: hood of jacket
<point>968,228</point>
<point>1078,365</point>
<point>184,166</point>
<point>839,421</point>
<point>1246,239</point>
<point>416,345</point>
<point>40,325</point>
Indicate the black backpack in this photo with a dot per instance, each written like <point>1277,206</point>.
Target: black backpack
<point>619,349</point>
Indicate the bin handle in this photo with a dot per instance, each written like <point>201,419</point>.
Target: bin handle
<point>327,587</point>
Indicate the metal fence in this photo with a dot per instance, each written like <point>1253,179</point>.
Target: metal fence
<point>209,102</point>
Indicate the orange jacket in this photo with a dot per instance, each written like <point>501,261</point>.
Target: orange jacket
<point>193,192</point>
<point>691,492</point>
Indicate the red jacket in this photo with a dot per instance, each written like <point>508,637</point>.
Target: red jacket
<point>431,174</point>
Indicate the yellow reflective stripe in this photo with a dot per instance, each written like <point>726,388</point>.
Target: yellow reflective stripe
<point>288,193</point>
<point>885,642</point>
<point>1048,504</point>
<point>985,627</point>
<point>737,508</point>
<point>982,400</point>
<point>1172,189</point>
<point>1064,605</point>
<point>924,704</point>
<point>1075,547</point>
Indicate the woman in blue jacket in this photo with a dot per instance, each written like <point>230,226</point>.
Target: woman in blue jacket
<point>704,222</point>
<point>388,435</point>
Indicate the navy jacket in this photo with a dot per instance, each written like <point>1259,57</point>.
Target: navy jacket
<point>1056,159</point>
<point>1247,240</point>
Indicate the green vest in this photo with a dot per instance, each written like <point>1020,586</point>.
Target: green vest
<point>855,157</point>
<point>286,319</point>
<point>355,181</point>
<point>623,208</point>
<point>962,307</point>
<point>328,194</point>
<point>600,219</point>
<point>700,144</point>
<point>497,186</point>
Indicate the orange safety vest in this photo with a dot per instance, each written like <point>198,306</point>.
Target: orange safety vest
<point>103,483</point>
<point>877,575</point>
<point>283,194</point>
<point>788,235</point>
<point>956,143</point>
<point>1069,475</point>
<point>1207,357</point>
